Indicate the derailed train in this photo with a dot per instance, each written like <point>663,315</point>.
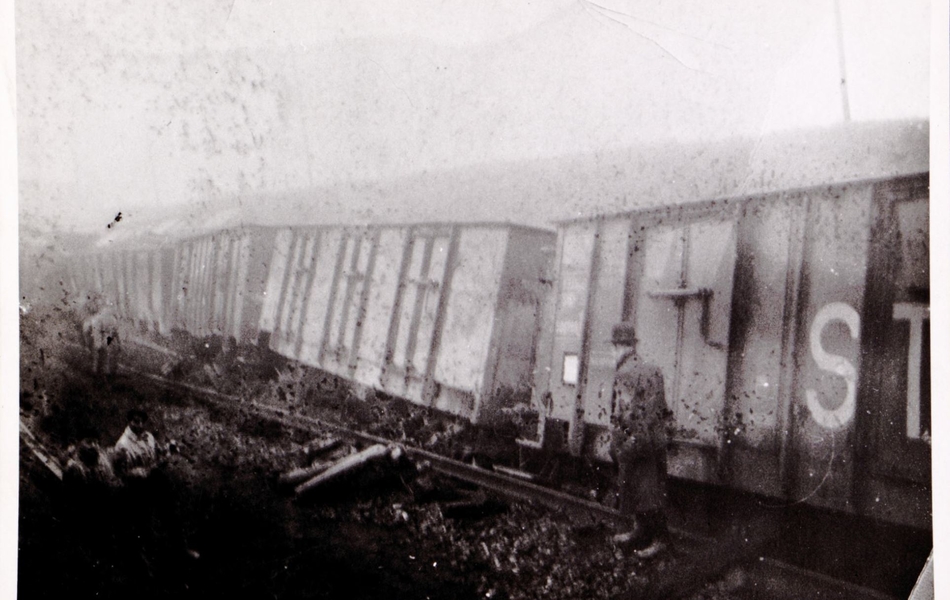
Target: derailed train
<point>791,325</point>
<point>444,315</point>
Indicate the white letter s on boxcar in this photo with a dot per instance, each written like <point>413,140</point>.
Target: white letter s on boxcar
<point>838,417</point>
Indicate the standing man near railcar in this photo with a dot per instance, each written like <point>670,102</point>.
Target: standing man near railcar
<point>101,333</point>
<point>638,445</point>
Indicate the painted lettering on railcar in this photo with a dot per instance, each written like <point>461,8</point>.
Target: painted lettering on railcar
<point>843,411</point>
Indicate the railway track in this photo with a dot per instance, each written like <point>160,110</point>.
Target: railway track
<point>739,551</point>
<point>505,485</point>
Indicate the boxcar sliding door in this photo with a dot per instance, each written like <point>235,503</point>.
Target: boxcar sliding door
<point>682,312</point>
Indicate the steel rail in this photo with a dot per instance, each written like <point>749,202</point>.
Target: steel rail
<point>503,485</point>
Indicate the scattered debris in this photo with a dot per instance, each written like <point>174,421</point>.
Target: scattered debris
<point>500,550</point>
<point>321,454</point>
<point>320,447</point>
<point>300,475</point>
<point>477,506</point>
<point>41,453</point>
<point>513,473</point>
<point>351,463</point>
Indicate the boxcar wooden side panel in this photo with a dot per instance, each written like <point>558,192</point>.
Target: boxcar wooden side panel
<point>247,291</point>
<point>127,276</point>
<point>302,288</point>
<point>576,255</point>
<point>195,289</point>
<point>217,289</point>
<point>318,300</point>
<point>606,311</point>
<point>758,308</point>
<point>424,276</point>
<point>543,367</point>
<point>517,318</point>
<point>122,276</point>
<point>828,352</point>
<point>683,309</point>
<point>155,288</point>
<point>207,323</point>
<point>189,285</point>
<point>201,274</point>
<point>382,289</point>
<point>768,266</point>
<point>355,260</point>
<point>177,289</point>
<point>163,291</point>
<point>232,293</point>
<point>143,291</point>
<point>275,280</point>
<point>225,288</point>
<point>293,293</point>
<point>893,414</point>
<point>470,313</point>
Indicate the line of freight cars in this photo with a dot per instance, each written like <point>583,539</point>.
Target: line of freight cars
<point>792,328</point>
<point>444,315</point>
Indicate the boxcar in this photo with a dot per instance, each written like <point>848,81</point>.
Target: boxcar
<point>792,330</point>
<point>134,283</point>
<point>217,283</point>
<point>444,315</point>
<point>206,286</point>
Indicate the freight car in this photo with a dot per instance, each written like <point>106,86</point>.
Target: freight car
<point>443,315</point>
<point>792,330</point>
<point>209,286</point>
<point>791,324</point>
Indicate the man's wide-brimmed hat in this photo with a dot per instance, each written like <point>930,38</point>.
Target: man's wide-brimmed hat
<point>623,334</point>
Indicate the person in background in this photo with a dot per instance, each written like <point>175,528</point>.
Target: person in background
<point>92,489</point>
<point>101,336</point>
<point>149,503</point>
<point>136,454</point>
<point>91,466</point>
<point>639,439</point>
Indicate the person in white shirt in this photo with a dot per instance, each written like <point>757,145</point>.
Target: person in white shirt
<point>136,454</point>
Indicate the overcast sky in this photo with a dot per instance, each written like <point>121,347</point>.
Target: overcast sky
<point>134,106</point>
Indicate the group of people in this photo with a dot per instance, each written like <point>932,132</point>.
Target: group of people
<point>122,494</point>
<point>130,462</point>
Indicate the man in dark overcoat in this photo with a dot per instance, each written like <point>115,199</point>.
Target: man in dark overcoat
<point>639,441</point>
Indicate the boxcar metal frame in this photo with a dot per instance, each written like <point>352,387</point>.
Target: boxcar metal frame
<point>810,303</point>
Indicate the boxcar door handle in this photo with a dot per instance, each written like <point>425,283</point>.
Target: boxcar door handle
<point>683,294</point>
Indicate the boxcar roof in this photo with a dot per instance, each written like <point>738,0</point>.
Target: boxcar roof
<point>542,192</point>
<point>795,162</point>
<point>545,191</point>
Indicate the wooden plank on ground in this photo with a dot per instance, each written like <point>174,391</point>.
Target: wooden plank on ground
<point>47,459</point>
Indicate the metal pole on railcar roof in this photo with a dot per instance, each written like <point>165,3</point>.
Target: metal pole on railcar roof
<point>846,109</point>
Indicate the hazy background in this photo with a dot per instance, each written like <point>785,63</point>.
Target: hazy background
<point>188,115</point>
